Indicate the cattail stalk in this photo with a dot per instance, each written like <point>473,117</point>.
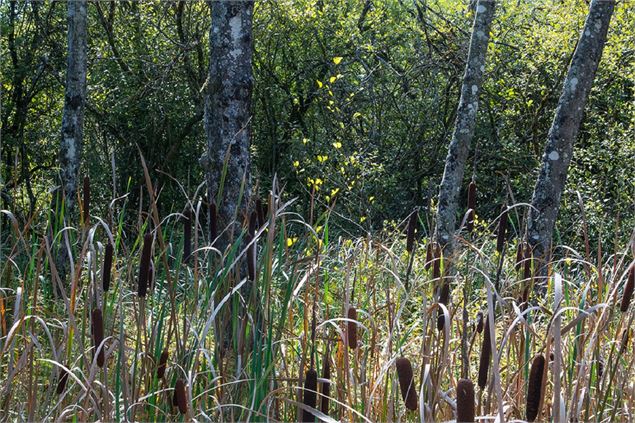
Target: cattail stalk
<point>97,326</point>
<point>352,328</point>
<point>465,401</point>
<point>534,387</point>
<point>309,397</point>
<point>406,383</point>
<point>628,290</point>
<point>187,234</point>
<point>326,386</point>
<point>144,265</point>
<point>107,269</point>
<point>180,396</point>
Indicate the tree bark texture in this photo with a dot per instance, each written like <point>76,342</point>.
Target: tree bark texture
<point>74,100</point>
<point>564,128</point>
<point>464,125</point>
<point>228,112</point>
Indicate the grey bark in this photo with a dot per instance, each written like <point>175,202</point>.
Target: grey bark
<point>74,100</point>
<point>464,125</point>
<point>564,128</point>
<point>228,112</point>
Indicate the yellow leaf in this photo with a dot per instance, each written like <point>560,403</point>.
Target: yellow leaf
<point>296,163</point>
<point>337,60</point>
<point>337,144</point>
<point>319,83</point>
<point>332,79</point>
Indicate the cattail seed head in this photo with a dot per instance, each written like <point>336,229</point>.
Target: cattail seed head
<point>97,326</point>
<point>429,256</point>
<point>534,387</point>
<point>180,396</point>
<point>309,397</point>
<point>412,227</point>
<point>61,384</point>
<point>107,269</point>
<point>479,322</point>
<point>464,401</point>
<point>407,383</point>
<point>502,231</point>
<point>144,265</point>
<point>187,234</point>
<point>444,298</point>
<point>628,290</point>
<point>86,202</point>
<point>520,256</point>
<point>486,353</point>
<point>471,205</point>
<point>626,334</point>
<point>352,328</point>
<point>326,386</point>
<point>261,209</point>
<point>162,364</point>
<point>436,264</point>
<point>213,222</point>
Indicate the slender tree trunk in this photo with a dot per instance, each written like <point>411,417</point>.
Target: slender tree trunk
<point>564,129</point>
<point>74,100</point>
<point>228,113</point>
<point>464,125</point>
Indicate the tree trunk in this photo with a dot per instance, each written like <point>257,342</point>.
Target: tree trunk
<point>74,100</point>
<point>564,129</point>
<point>228,114</point>
<point>464,125</point>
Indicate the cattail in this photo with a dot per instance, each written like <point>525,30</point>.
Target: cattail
<point>429,253</point>
<point>520,256</point>
<point>436,265</point>
<point>600,364</point>
<point>309,397</point>
<point>524,300</point>
<point>626,333</point>
<point>486,353</point>
<point>61,384</point>
<point>144,265</point>
<point>444,298</point>
<point>534,387</point>
<point>261,209</point>
<point>352,328</point>
<point>326,386</point>
<point>251,250</point>
<point>527,262</point>
<point>187,234</point>
<point>471,205</point>
<point>464,401</point>
<point>162,364</point>
<point>628,290</point>
<point>97,326</point>
<point>479,322</point>
<point>107,269</point>
<point>151,275</point>
<point>412,227</point>
<point>502,231</point>
<point>213,222</point>
<point>180,396</point>
<point>406,383</point>
<point>86,204</point>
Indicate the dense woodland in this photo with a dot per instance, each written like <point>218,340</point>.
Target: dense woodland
<point>310,210</point>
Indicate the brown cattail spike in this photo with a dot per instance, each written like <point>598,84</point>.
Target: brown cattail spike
<point>429,256</point>
<point>97,326</point>
<point>180,396</point>
<point>352,328</point>
<point>107,269</point>
<point>412,227</point>
<point>534,387</point>
<point>465,401</point>
<point>213,222</point>
<point>162,364</point>
<point>407,383</point>
<point>486,353</point>
<point>479,322</point>
<point>309,397</point>
<point>436,264</point>
<point>628,290</point>
<point>144,265</point>
<point>187,234</point>
<point>471,205</point>
<point>261,209</point>
<point>86,203</point>
<point>326,385</point>
<point>502,231</point>
<point>444,298</point>
<point>61,384</point>
<point>520,256</point>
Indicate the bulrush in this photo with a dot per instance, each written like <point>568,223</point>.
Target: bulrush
<point>464,401</point>
<point>444,298</point>
<point>407,383</point>
<point>180,396</point>
<point>187,234</point>
<point>86,202</point>
<point>252,249</point>
<point>61,384</point>
<point>626,334</point>
<point>144,265</point>
<point>520,256</point>
<point>351,333</point>
<point>628,289</point>
<point>502,231</point>
<point>479,322</point>
<point>107,268</point>
<point>213,222</point>
<point>309,398</point>
<point>471,205</point>
<point>97,329</point>
<point>534,387</point>
<point>486,353</point>
<point>429,255</point>
<point>326,385</point>
<point>162,364</point>
<point>412,227</point>
<point>261,209</point>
